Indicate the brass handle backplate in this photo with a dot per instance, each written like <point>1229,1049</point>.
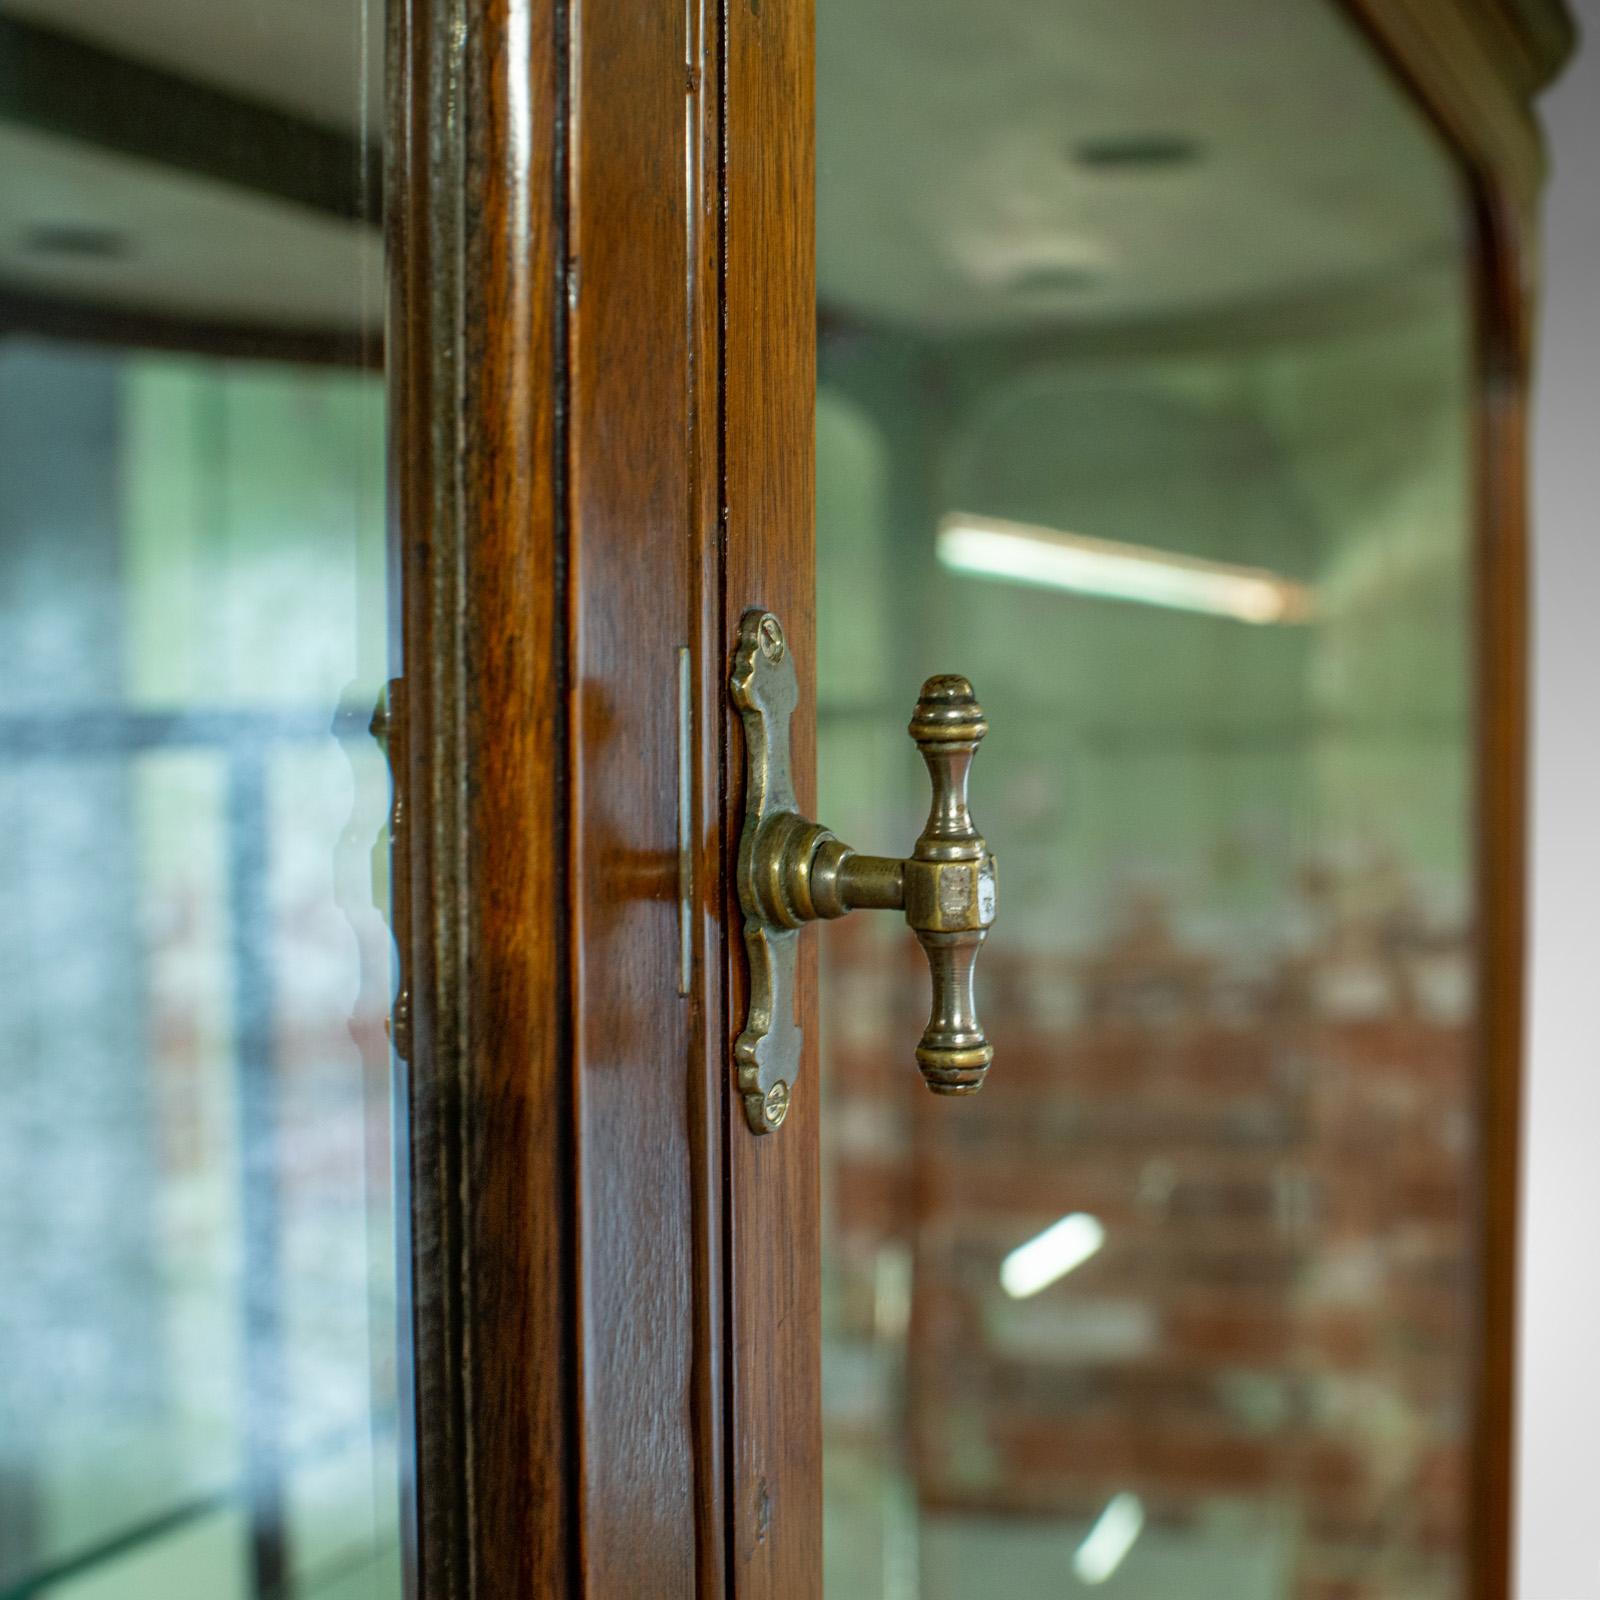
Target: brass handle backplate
<point>793,871</point>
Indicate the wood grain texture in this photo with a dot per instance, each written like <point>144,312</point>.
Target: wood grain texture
<point>774,1250</point>
<point>630,610</point>
<point>556,465</point>
<point>475,334</point>
<point>709,1086</point>
<point>555,469</point>
<point>1472,66</point>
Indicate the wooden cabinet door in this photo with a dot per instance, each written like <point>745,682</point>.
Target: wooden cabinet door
<point>554,277</point>
<point>1161,365</point>
<point>1162,368</point>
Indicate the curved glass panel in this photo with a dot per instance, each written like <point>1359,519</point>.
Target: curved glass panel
<point>1145,389</point>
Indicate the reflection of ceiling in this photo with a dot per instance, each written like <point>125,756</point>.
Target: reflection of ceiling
<point>303,56</point>
<point>949,195</point>
<point>225,193</point>
<point>194,248</point>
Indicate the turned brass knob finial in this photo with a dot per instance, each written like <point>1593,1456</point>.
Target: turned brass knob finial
<point>793,871</point>
<point>950,887</point>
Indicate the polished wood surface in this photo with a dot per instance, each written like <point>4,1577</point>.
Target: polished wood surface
<point>556,463</point>
<point>775,1512</point>
<point>710,1087</point>
<point>476,235</point>
<point>629,607</point>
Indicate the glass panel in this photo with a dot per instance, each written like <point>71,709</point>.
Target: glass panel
<point>198,1220</point>
<point>1144,399</point>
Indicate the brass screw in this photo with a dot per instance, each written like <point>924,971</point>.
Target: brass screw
<point>776,1106</point>
<point>771,636</point>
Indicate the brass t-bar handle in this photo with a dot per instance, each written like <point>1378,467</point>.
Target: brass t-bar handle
<point>793,871</point>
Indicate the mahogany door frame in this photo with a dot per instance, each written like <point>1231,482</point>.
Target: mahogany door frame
<point>602,342</point>
<point>552,326</point>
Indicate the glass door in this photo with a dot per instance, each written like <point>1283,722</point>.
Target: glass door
<point>199,1369</point>
<point>1146,373</point>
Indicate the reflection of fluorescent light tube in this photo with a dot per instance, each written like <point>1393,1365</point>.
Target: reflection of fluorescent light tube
<point>1050,1255</point>
<point>1110,1539</point>
<point>992,548</point>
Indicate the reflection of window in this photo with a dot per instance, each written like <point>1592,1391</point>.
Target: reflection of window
<point>198,1341</point>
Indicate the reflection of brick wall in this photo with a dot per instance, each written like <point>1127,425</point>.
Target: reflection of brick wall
<point>1275,1332</point>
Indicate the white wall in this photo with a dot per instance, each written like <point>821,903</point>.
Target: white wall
<point>1559,1555</point>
